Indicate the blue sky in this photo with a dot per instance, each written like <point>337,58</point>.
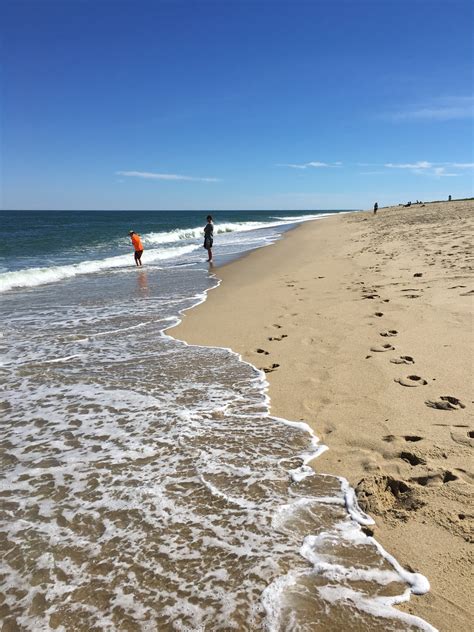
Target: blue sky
<point>235,104</point>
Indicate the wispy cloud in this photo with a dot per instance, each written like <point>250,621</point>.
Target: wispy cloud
<point>163,176</point>
<point>292,166</point>
<point>315,164</point>
<point>443,109</point>
<point>423,167</point>
<point>441,171</point>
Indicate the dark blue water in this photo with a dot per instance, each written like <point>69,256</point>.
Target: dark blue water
<point>45,233</point>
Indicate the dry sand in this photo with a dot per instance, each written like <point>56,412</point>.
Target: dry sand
<point>364,325</point>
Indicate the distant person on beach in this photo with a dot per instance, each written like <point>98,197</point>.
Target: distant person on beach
<point>376,208</point>
<point>209,237</point>
<point>449,199</point>
<point>138,246</point>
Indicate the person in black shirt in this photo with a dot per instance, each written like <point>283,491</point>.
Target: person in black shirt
<point>208,237</point>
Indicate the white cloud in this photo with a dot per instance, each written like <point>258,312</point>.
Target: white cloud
<point>163,176</point>
<point>293,166</point>
<point>315,163</point>
<point>422,164</point>
<point>441,171</point>
<point>443,109</point>
<point>423,167</point>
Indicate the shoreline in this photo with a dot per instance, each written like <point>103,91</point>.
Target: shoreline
<point>335,313</point>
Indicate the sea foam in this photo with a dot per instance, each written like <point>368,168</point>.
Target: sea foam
<point>152,489</point>
<point>31,277</point>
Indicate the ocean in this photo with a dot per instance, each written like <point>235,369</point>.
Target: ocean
<point>145,485</point>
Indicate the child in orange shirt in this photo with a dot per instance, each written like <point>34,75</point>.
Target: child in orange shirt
<point>137,244</point>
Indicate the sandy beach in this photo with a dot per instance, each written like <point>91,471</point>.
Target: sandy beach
<point>363,325</point>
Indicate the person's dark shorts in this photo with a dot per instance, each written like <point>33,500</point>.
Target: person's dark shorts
<point>208,241</point>
<point>138,254</point>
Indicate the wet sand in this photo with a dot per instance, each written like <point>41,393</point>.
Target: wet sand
<point>364,327</point>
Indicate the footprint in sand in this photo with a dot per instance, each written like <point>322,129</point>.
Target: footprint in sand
<point>379,314</point>
<point>464,439</point>
<point>411,380</point>
<point>269,369</point>
<point>455,287</point>
<point>412,459</point>
<point>467,293</point>
<point>277,326</point>
<point>431,480</point>
<point>278,338</point>
<point>370,296</point>
<point>418,274</point>
<point>411,438</point>
<point>403,360</point>
<point>447,403</point>
<point>262,351</point>
<point>385,347</point>
<point>389,333</point>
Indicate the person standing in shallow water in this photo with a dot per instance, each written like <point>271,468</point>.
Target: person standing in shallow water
<point>209,237</point>
<point>138,246</point>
